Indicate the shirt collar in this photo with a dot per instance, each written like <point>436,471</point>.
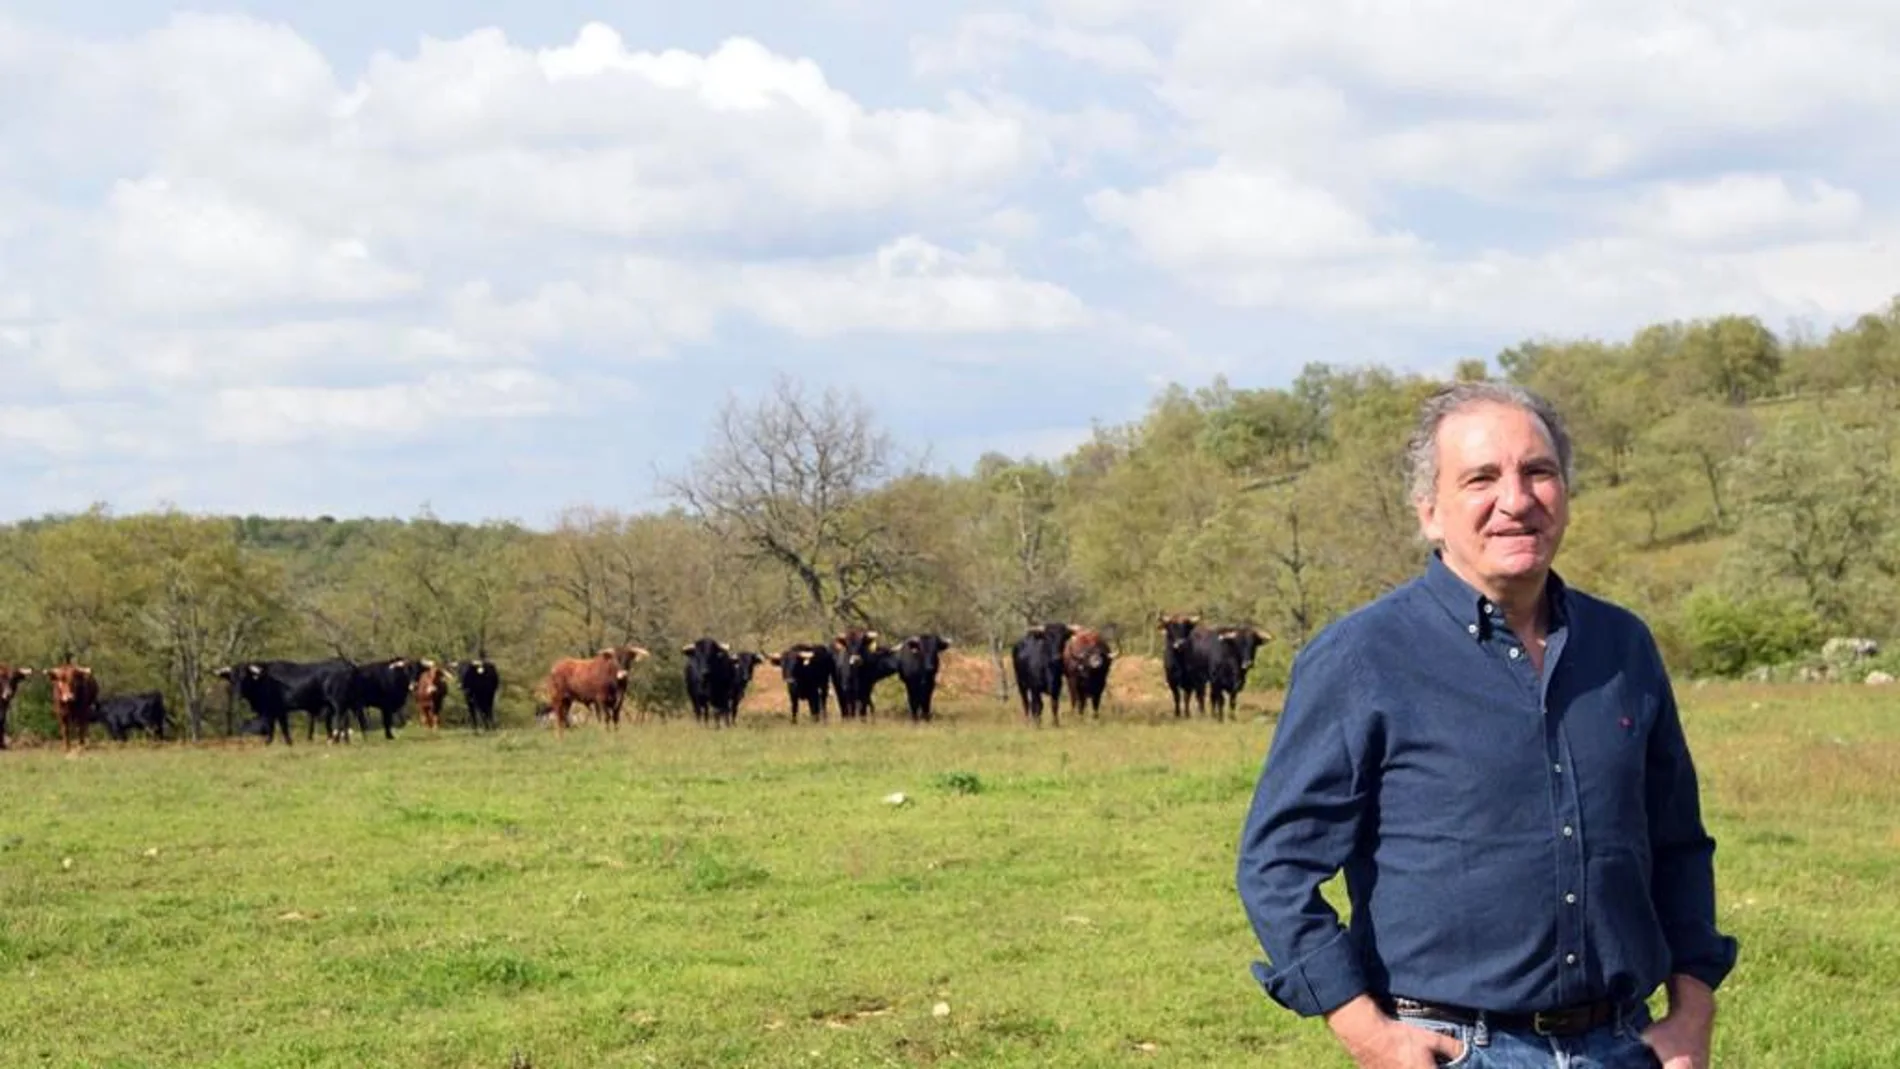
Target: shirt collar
<point>1473,611</point>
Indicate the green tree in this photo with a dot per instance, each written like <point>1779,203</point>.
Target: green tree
<point>209,604</point>
<point>1818,504</point>
<point>1733,359</point>
<point>1021,566</point>
<point>1706,438</point>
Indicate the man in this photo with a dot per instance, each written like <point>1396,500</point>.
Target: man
<point>1496,762</point>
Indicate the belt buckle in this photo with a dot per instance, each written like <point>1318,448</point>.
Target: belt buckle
<point>1544,1024</point>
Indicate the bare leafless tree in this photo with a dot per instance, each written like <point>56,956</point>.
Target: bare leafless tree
<point>786,481</point>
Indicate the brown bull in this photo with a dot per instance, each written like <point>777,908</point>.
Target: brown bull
<point>431,689</point>
<point>599,681</point>
<point>75,698</point>
<point>11,676</point>
<point>1085,662</point>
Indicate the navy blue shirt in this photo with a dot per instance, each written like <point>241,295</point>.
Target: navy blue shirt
<point>1510,843</point>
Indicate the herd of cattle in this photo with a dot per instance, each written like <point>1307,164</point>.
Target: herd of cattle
<point>1198,661</point>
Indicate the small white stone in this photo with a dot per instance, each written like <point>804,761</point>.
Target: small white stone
<point>900,798</point>
<point>941,1009</point>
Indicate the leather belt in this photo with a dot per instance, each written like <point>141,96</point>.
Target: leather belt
<point>1569,1021</point>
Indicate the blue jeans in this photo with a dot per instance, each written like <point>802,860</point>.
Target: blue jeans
<point>1618,1045</point>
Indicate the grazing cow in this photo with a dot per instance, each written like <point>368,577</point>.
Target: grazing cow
<point>479,681</point>
<point>917,663</point>
<point>1037,658</point>
<point>1228,654</point>
<point>123,714</point>
<point>275,689</point>
<point>75,701</point>
<point>710,677</point>
<point>1183,662</point>
<point>385,687</point>
<point>861,663</point>
<point>809,671</point>
<point>1085,662</point>
<point>431,689</point>
<point>599,681</point>
<point>11,676</point>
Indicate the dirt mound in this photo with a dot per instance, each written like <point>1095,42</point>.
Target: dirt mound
<point>1134,678</point>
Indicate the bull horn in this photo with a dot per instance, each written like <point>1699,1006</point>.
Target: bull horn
<point>399,662</point>
<point>84,671</point>
<point>26,671</point>
<point>726,647</point>
<point>638,652</point>
<point>688,648</point>
<point>257,670</point>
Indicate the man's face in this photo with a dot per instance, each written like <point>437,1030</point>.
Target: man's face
<point>1500,505</point>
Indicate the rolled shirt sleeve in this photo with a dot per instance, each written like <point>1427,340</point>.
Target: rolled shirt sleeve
<point>1299,831</point>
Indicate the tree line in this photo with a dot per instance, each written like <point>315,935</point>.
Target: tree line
<point>1735,486</point>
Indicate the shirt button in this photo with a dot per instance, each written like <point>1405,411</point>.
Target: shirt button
<point>1570,899</point>
<point>1559,769</point>
<point>1570,959</point>
<point>1515,652</point>
<point>1569,831</point>
<point>1473,628</point>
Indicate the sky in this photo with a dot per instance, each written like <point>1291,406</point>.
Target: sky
<point>498,258</point>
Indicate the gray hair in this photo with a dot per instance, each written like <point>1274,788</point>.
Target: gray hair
<point>1421,450</point>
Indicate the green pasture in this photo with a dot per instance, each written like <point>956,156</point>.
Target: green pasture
<point>673,896</point>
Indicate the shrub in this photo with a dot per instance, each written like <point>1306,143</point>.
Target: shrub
<point>1729,634</point>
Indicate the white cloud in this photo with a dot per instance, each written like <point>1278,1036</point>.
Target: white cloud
<point>1743,207</point>
<point>65,431</point>
<point>1425,92</point>
<point>175,252</point>
<point>1595,287</point>
<point>280,415</point>
<point>1476,170</point>
<point>596,138</point>
<point>206,215</point>
<point>909,287</point>
<point>1219,217</point>
<point>990,40</point>
<point>211,232</point>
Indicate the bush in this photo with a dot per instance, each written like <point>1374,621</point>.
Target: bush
<point>1729,634</point>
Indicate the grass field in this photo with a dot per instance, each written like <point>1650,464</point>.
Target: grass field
<point>671,896</point>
